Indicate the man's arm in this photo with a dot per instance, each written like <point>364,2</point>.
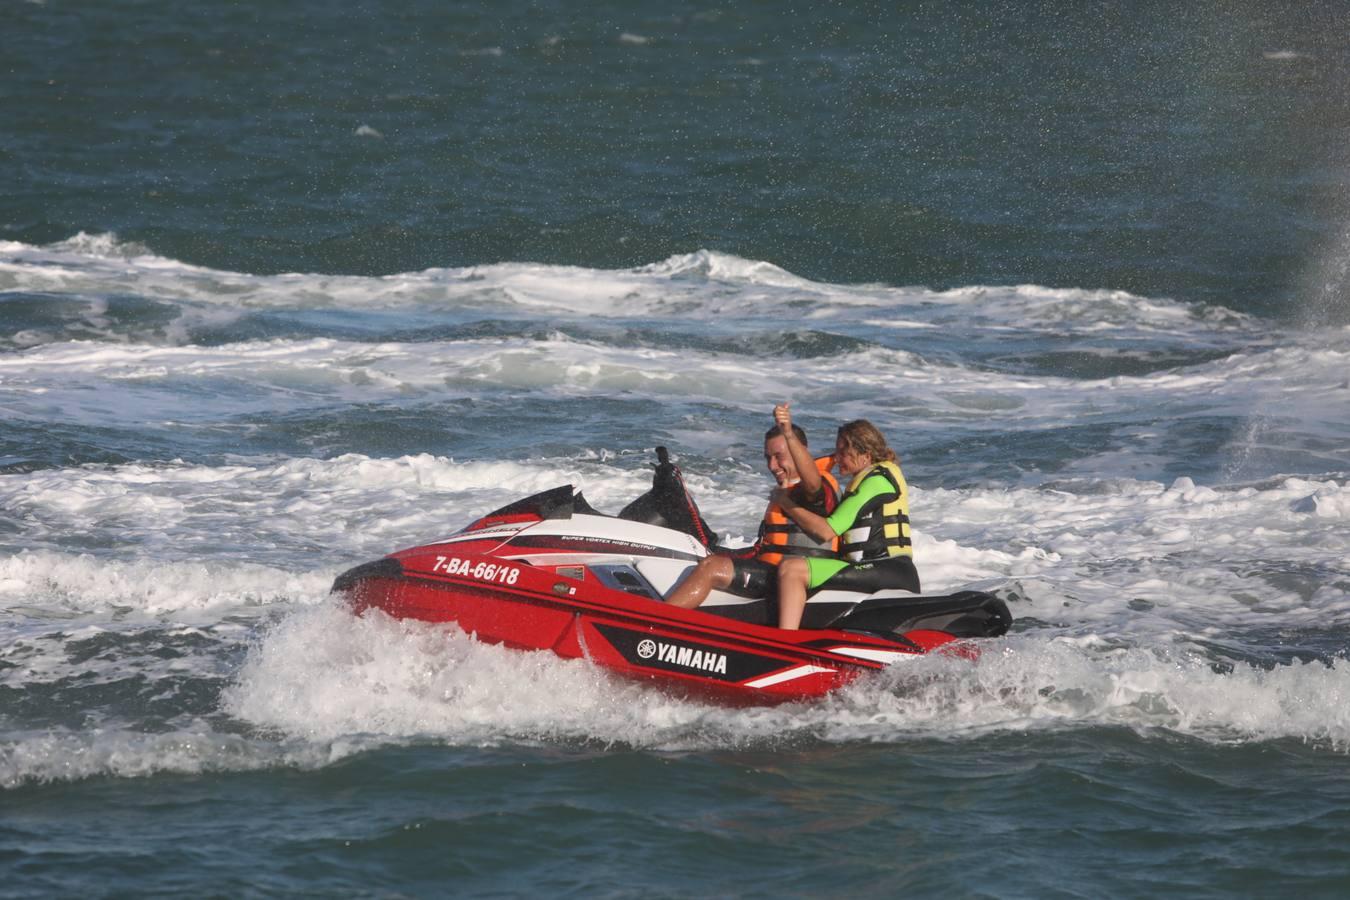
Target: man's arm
<point>816,526</point>
<point>844,516</point>
<point>811,482</point>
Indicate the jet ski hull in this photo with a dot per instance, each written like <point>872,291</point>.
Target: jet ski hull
<point>531,607</point>
<point>548,572</point>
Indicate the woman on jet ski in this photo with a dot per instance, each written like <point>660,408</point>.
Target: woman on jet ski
<point>873,520</point>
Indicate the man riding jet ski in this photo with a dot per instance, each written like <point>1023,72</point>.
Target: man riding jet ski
<point>549,572</point>
<point>753,572</point>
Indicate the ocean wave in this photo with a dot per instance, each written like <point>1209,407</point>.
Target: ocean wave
<point>303,514</point>
<point>1137,559</point>
<point>1298,395</point>
<point>374,675</point>
<point>1154,564</point>
<point>47,583</point>
<point>1214,613</point>
<point>1076,683</point>
<point>322,685</point>
<point>706,286</point>
<point>57,756</point>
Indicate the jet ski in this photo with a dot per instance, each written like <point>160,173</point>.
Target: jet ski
<point>549,572</point>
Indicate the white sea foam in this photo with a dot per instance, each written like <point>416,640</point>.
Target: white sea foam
<point>355,504</point>
<point>302,513</point>
<point>1144,563</point>
<point>1303,377</point>
<point>1130,582</point>
<point>1281,382</point>
<point>48,756</point>
<point>1134,559</point>
<point>1032,683</point>
<point>1296,395</point>
<point>331,684</point>
<point>705,285</point>
<point>323,675</point>
<point>69,583</point>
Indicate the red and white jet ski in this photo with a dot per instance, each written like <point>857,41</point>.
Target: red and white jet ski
<point>550,573</point>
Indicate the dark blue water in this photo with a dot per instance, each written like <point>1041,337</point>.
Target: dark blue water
<point>1194,153</point>
<point>286,287</point>
<point>623,824</point>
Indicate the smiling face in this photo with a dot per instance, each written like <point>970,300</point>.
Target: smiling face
<point>849,460</point>
<point>779,461</point>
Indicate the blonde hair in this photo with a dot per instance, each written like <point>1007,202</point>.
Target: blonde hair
<point>864,437</point>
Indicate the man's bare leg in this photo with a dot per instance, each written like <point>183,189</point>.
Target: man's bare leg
<point>711,572</point>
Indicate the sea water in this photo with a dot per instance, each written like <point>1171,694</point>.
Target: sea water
<point>283,290</point>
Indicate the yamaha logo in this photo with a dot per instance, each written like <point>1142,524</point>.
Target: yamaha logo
<point>683,655</point>
<point>649,651</point>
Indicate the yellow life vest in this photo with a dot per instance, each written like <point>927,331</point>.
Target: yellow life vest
<point>881,529</point>
<point>779,531</point>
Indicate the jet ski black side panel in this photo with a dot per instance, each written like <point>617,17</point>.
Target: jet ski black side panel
<point>966,614</point>
<point>380,568</point>
<point>557,503</point>
<point>764,611</point>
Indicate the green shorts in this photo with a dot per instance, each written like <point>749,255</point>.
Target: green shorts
<point>822,570</point>
<point>895,572</point>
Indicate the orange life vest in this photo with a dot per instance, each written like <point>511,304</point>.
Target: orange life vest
<point>779,531</point>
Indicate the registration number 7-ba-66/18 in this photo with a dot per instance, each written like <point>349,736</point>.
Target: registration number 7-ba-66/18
<point>483,571</point>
